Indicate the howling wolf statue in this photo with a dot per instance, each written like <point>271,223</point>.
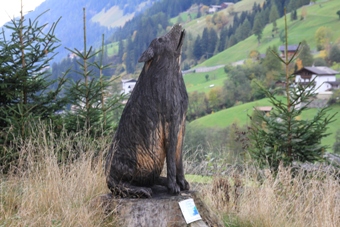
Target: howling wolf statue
<point>151,128</point>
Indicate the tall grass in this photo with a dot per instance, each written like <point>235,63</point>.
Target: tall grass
<point>42,191</point>
<point>245,199</point>
<point>45,190</point>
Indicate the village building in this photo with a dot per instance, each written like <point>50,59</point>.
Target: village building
<point>215,8</point>
<point>128,85</point>
<point>291,49</point>
<point>264,109</point>
<point>324,79</point>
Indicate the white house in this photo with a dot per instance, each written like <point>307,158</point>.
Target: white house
<point>128,85</point>
<point>325,78</point>
<point>214,8</point>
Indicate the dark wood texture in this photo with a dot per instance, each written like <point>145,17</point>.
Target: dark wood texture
<point>152,125</point>
<point>161,210</point>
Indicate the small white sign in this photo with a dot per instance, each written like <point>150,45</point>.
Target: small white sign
<point>189,210</point>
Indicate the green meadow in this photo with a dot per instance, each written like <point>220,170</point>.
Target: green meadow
<point>198,81</point>
<point>317,15</point>
<point>239,114</point>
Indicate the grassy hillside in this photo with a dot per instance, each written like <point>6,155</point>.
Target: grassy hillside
<point>226,117</point>
<point>239,114</point>
<point>114,17</point>
<point>198,81</point>
<point>196,26</point>
<point>322,14</point>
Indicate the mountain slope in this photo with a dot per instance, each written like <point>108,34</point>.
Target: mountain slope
<point>323,14</point>
<point>317,16</point>
<point>70,26</point>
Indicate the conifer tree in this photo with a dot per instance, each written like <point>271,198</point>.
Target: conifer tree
<point>24,79</point>
<point>258,28</point>
<point>334,54</point>
<point>197,49</point>
<point>90,96</point>
<point>305,54</point>
<point>27,92</point>
<point>282,137</point>
<point>273,16</point>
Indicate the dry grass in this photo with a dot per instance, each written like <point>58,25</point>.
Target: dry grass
<point>42,192</point>
<point>247,200</point>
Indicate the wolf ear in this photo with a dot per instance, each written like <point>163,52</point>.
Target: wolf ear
<point>147,55</point>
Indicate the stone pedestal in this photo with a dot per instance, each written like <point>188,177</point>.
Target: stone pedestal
<point>160,210</point>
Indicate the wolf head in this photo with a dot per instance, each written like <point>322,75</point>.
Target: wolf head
<point>169,45</point>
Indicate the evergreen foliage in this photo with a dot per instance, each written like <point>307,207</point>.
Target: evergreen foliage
<point>334,54</point>
<point>271,62</point>
<point>282,137</point>
<point>258,28</point>
<point>27,93</point>
<point>293,15</point>
<point>273,16</point>
<point>336,145</point>
<point>90,95</point>
<point>305,54</point>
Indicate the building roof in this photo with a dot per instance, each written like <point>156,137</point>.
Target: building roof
<point>333,83</point>
<point>263,108</point>
<point>319,70</point>
<point>129,81</point>
<point>289,48</point>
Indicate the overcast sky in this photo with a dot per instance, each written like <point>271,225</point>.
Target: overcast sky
<point>11,8</point>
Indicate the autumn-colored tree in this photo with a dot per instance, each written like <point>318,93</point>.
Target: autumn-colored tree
<point>303,13</point>
<point>204,9</point>
<point>322,37</point>
<point>220,20</point>
<point>254,55</point>
<point>299,64</point>
<point>208,21</point>
<point>231,10</point>
<point>196,106</point>
<point>215,97</point>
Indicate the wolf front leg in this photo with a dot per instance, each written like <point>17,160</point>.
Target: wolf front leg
<point>180,179</point>
<point>170,149</point>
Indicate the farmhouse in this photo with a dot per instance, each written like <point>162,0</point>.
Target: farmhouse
<point>215,8</point>
<point>226,4</point>
<point>128,85</point>
<point>264,109</point>
<point>324,79</point>
<point>291,49</point>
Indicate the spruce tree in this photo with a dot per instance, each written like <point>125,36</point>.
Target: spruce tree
<point>90,97</point>
<point>27,92</point>
<point>258,28</point>
<point>26,87</point>
<point>282,137</point>
<point>273,16</point>
<point>305,54</point>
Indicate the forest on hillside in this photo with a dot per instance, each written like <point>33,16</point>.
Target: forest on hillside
<point>69,16</point>
<point>134,37</point>
<point>213,39</point>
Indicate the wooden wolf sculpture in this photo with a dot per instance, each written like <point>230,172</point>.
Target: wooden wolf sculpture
<point>152,125</point>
